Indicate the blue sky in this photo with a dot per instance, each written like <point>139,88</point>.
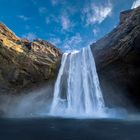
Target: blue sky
<point>69,24</point>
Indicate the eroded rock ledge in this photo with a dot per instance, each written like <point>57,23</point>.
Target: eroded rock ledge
<point>24,63</point>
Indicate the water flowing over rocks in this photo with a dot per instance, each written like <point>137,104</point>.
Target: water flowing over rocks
<point>117,57</point>
<point>83,96</point>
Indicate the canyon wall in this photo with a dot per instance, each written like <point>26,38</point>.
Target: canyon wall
<point>25,64</point>
<point>117,58</point>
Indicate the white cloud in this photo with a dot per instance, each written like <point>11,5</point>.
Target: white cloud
<point>30,36</point>
<point>65,22</point>
<point>68,43</point>
<point>135,4</point>
<point>34,2</point>
<point>65,19</point>
<point>42,10</point>
<point>72,42</point>
<point>95,31</point>
<point>96,13</point>
<point>47,20</point>
<point>27,27</point>
<point>51,18</point>
<point>61,2</point>
<point>55,41</point>
<point>23,17</point>
<point>54,2</point>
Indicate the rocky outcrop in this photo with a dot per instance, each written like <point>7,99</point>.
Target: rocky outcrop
<point>24,63</point>
<point>117,58</point>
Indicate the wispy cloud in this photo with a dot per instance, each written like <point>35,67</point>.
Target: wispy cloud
<point>22,17</point>
<point>34,2</point>
<point>47,20</point>
<point>95,31</point>
<point>55,41</point>
<point>135,4</point>
<point>30,36</point>
<point>72,42</point>
<point>27,27</point>
<point>54,2</point>
<point>63,18</point>
<point>42,10</point>
<point>51,18</point>
<point>65,22</point>
<point>96,13</point>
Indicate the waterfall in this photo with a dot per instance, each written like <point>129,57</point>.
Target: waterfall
<point>77,90</point>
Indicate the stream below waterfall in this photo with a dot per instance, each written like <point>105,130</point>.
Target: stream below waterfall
<point>69,129</point>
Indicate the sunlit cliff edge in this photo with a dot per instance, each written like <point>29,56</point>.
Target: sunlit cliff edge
<point>24,63</point>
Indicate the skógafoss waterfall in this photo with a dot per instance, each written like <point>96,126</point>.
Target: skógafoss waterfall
<point>77,90</point>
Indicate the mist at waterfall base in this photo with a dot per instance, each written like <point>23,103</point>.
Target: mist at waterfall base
<point>26,105</point>
<point>77,93</point>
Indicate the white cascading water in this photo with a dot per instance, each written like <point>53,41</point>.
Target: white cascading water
<point>77,90</point>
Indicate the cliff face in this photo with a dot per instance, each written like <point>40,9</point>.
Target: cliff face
<point>117,58</point>
<point>24,63</point>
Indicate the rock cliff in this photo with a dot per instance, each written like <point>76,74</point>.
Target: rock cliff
<point>117,58</point>
<point>24,63</point>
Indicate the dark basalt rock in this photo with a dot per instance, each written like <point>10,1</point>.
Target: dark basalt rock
<point>117,58</point>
